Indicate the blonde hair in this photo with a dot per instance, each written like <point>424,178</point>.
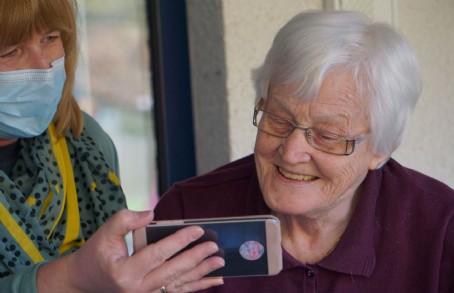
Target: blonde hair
<point>20,18</point>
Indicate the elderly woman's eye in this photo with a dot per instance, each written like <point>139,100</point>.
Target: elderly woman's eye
<point>279,121</point>
<point>326,136</point>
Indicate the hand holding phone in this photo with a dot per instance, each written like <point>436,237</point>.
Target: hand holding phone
<point>251,245</point>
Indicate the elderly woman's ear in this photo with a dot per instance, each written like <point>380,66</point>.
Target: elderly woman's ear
<point>378,161</point>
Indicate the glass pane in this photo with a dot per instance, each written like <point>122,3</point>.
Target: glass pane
<point>113,85</point>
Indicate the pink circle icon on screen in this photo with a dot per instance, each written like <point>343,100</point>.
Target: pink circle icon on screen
<point>251,250</point>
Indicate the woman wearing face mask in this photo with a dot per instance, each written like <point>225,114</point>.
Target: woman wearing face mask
<point>62,210</point>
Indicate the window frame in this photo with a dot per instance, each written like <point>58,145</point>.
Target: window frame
<point>169,65</point>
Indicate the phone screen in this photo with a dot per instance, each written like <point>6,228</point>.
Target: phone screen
<point>242,245</point>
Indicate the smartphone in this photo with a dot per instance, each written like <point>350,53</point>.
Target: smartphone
<point>250,245</point>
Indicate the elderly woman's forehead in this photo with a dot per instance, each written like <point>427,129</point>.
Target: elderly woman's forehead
<point>337,85</point>
<point>341,85</point>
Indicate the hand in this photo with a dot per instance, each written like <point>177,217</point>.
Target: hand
<point>103,264</point>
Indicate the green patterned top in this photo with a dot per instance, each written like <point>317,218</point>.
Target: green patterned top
<point>55,197</point>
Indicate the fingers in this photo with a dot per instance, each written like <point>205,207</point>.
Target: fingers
<point>188,266</point>
<point>192,263</point>
<point>156,254</point>
<point>193,279</point>
<point>156,264</point>
<point>200,285</point>
<point>183,272</point>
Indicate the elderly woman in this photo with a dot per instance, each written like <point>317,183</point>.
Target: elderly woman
<point>62,209</point>
<point>334,96</point>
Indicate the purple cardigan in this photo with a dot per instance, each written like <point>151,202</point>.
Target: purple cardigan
<point>400,237</point>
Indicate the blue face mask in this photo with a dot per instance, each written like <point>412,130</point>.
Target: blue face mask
<point>29,99</point>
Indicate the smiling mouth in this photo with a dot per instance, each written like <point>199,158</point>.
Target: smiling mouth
<point>296,176</point>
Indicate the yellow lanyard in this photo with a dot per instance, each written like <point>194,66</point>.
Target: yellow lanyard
<point>69,202</point>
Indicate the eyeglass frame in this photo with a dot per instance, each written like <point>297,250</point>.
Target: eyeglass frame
<point>308,131</point>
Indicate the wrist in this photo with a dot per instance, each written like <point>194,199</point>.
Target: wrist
<point>54,276</point>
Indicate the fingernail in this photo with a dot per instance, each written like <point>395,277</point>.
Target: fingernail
<point>197,233</point>
<point>144,214</point>
<point>213,247</point>
<point>221,262</point>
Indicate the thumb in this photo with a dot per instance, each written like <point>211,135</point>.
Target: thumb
<point>125,221</point>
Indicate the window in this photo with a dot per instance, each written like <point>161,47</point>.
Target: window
<point>114,86</point>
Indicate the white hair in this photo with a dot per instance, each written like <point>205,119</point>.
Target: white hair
<point>384,67</point>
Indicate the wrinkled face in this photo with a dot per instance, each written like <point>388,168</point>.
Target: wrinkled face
<point>297,179</point>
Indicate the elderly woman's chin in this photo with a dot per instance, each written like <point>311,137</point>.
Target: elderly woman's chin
<point>306,195</point>
<point>294,196</point>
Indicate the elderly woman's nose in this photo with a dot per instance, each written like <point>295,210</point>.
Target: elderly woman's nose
<point>295,148</point>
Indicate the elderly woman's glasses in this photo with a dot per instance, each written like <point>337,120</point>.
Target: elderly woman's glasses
<point>324,141</point>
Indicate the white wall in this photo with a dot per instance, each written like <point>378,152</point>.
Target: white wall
<point>429,143</point>
<point>230,37</point>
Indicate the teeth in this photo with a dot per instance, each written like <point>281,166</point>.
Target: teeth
<point>297,177</point>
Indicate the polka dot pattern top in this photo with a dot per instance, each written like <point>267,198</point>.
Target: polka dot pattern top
<point>34,204</point>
